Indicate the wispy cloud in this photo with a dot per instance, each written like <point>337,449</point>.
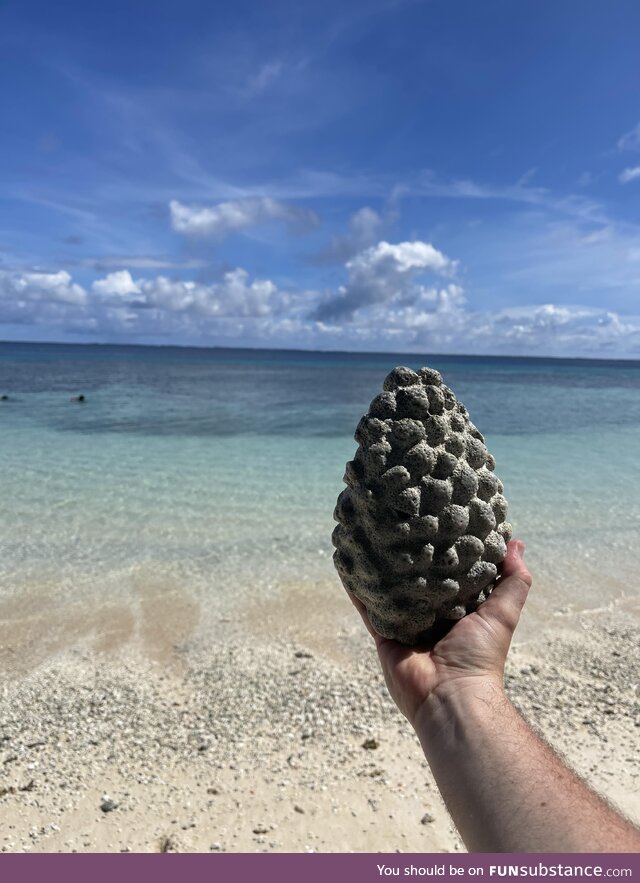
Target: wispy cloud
<point>628,175</point>
<point>630,140</point>
<point>143,262</point>
<point>218,221</point>
<point>560,260</point>
<point>266,76</point>
<point>571,205</point>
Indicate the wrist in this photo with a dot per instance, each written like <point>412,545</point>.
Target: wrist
<point>458,703</point>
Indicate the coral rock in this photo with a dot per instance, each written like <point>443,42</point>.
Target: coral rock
<point>421,531</point>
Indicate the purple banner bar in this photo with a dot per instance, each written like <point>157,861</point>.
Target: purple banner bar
<point>328,868</point>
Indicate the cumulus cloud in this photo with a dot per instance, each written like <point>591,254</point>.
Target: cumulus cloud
<point>41,298</point>
<point>385,304</point>
<point>630,140</point>
<point>53,287</point>
<point>119,284</point>
<point>218,221</point>
<point>438,322</point>
<point>555,330</point>
<point>233,296</point>
<point>384,273</point>
<point>629,175</point>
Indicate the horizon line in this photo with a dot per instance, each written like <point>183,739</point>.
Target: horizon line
<point>187,346</point>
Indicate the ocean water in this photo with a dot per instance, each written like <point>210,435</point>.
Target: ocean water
<point>214,472</point>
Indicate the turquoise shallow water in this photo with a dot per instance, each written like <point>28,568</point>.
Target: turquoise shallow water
<point>217,471</point>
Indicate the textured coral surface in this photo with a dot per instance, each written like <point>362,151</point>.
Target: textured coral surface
<point>421,527</point>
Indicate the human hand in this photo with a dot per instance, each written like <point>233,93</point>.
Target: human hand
<point>472,653</point>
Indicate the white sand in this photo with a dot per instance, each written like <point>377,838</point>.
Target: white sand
<point>256,742</point>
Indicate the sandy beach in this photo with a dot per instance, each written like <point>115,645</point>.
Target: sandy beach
<point>277,734</point>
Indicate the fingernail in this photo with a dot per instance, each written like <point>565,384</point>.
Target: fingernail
<point>521,548</point>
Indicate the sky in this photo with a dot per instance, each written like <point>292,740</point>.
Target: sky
<point>444,176</point>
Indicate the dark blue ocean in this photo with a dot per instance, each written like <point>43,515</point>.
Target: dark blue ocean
<point>215,471</point>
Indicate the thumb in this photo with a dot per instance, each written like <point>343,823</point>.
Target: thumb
<point>362,610</point>
<point>504,605</point>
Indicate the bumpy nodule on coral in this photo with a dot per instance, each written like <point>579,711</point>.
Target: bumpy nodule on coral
<point>421,530</point>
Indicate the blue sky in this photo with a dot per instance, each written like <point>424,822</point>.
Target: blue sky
<point>383,175</point>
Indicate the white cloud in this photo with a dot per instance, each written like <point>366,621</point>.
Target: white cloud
<point>383,305</point>
<point>50,299</point>
<point>629,175</point>
<point>224,218</point>
<point>554,330</point>
<point>119,284</point>
<point>53,287</point>
<point>403,257</point>
<point>383,273</point>
<point>233,296</point>
<point>531,330</point>
<point>630,140</point>
<point>52,294</point>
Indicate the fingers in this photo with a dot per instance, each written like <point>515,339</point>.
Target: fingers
<point>362,610</point>
<point>505,603</point>
<point>513,564</point>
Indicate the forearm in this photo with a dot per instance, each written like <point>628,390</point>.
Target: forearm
<point>505,788</point>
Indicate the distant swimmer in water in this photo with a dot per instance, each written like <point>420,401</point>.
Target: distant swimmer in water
<point>79,398</point>
<point>4,398</point>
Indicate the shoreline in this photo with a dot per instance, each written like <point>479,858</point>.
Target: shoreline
<point>253,743</point>
<point>158,618</point>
